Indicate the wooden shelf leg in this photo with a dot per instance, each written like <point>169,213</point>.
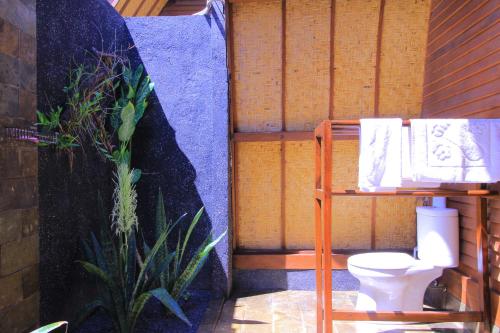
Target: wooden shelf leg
<point>483,261</point>
<point>326,185</point>
<point>318,239</point>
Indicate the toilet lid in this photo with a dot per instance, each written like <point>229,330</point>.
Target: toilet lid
<point>382,260</point>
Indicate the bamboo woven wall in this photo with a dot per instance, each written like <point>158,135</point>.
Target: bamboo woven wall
<point>294,64</point>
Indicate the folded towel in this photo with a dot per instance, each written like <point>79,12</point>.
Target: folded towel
<point>455,150</point>
<point>406,163</point>
<point>380,154</point>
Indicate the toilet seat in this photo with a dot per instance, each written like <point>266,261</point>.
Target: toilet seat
<point>382,260</point>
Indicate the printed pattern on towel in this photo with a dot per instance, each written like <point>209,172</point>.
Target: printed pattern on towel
<point>456,150</point>
<point>458,145</point>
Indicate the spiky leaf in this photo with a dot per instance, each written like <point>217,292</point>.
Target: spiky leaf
<point>148,262</point>
<point>169,302</point>
<point>137,307</point>
<point>160,227</point>
<point>194,266</point>
<point>99,255</point>
<point>193,224</point>
<point>130,268</point>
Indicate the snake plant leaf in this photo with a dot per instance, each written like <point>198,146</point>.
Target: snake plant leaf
<point>169,302</point>
<point>137,307</point>
<point>109,252</point>
<point>128,126</point>
<point>99,256</point>
<point>160,227</point>
<point>194,266</point>
<point>87,252</point>
<point>94,270</point>
<point>116,293</point>
<point>148,262</point>
<point>147,249</point>
<point>51,327</point>
<point>130,273</point>
<point>190,231</point>
<point>160,269</point>
<point>136,175</point>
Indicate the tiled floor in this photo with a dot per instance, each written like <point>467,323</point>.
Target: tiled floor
<point>294,311</point>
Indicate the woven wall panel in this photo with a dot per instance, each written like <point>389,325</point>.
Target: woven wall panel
<point>299,208</point>
<point>258,195</point>
<point>257,65</point>
<point>257,34</point>
<point>396,223</point>
<point>350,216</point>
<point>404,37</point>
<point>307,64</point>
<point>356,24</point>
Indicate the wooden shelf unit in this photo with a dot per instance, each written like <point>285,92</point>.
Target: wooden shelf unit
<point>323,140</point>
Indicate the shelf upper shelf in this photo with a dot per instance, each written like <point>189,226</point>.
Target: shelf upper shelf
<point>412,193</point>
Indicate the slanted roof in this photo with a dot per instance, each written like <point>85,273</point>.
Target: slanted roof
<point>158,7</point>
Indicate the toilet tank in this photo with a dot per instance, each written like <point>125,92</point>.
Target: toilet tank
<point>438,236</point>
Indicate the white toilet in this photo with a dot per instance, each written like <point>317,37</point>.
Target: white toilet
<point>391,281</point>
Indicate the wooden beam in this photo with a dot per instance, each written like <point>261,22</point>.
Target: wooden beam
<point>285,136</point>
<point>232,120</point>
<point>272,136</point>
<point>409,316</point>
<point>291,260</point>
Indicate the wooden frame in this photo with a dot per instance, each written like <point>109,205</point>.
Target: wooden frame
<point>323,140</point>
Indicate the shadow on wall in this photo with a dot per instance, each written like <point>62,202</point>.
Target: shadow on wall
<point>66,31</point>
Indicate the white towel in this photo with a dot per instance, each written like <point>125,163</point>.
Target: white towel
<point>380,154</point>
<point>456,150</point>
<point>406,163</point>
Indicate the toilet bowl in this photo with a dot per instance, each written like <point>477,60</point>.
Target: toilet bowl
<point>391,281</point>
<point>395,281</point>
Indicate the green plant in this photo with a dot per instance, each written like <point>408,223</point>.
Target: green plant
<point>174,278</point>
<point>91,90</point>
<point>131,280</point>
<point>127,112</point>
<point>51,327</point>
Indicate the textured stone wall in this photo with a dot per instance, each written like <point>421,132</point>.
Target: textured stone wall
<point>181,144</point>
<point>19,291</point>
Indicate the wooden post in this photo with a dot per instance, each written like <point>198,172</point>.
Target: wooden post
<point>326,206</point>
<point>483,261</point>
<point>318,239</point>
